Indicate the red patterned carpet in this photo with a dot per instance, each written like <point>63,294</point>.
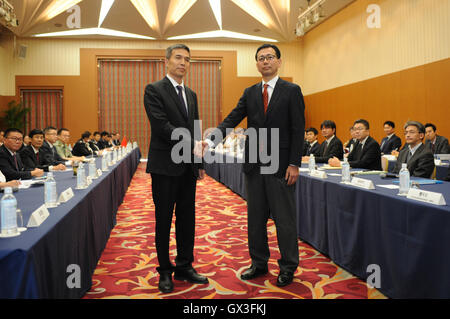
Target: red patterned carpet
<point>127,266</point>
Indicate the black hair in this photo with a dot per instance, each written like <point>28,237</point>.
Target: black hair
<point>264,46</point>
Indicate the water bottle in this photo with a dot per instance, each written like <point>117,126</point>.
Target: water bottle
<point>114,156</point>
<point>50,193</point>
<point>92,169</point>
<point>311,163</point>
<point>404,180</point>
<point>81,177</point>
<point>345,171</point>
<point>104,162</point>
<point>8,218</point>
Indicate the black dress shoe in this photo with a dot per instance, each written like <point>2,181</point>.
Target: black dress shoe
<point>284,278</point>
<point>253,272</point>
<point>190,275</point>
<point>165,283</point>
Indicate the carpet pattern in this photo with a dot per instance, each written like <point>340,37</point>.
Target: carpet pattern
<point>127,267</point>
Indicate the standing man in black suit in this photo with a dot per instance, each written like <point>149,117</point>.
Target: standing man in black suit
<point>367,152</point>
<point>419,159</point>
<point>331,147</point>
<point>10,161</point>
<point>170,105</point>
<point>272,105</point>
<point>391,142</point>
<point>436,143</point>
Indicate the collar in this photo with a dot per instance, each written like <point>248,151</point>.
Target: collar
<point>414,149</point>
<point>313,143</point>
<point>389,136</point>
<point>11,152</point>
<point>365,140</point>
<point>175,83</point>
<point>50,144</point>
<point>329,140</point>
<point>35,150</point>
<point>271,82</point>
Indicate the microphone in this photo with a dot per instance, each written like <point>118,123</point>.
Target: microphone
<point>388,175</point>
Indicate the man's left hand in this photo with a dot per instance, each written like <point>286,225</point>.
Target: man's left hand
<point>291,175</point>
<point>201,174</point>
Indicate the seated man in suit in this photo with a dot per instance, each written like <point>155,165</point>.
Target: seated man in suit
<point>366,154</point>
<point>105,140</point>
<point>63,148</point>
<point>82,148</point>
<point>391,142</point>
<point>32,155</point>
<point>419,159</point>
<point>313,144</point>
<point>437,144</point>
<point>331,147</point>
<point>93,143</point>
<point>351,143</point>
<point>51,156</point>
<point>10,162</point>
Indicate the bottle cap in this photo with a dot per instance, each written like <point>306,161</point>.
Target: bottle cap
<point>404,165</point>
<point>8,190</point>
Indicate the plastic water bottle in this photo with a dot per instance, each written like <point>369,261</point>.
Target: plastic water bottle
<point>81,177</point>
<point>8,218</point>
<point>345,171</point>
<point>50,193</point>
<point>404,180</point>
<point>104,162</point>
<point>92,169</point>
<point>311,163</point>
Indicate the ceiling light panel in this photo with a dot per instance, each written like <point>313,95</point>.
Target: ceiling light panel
<point>148,10</point>
<point>217,10</point>
<point>59,6</point>
<point>256,9</point>
<point>106,6</point>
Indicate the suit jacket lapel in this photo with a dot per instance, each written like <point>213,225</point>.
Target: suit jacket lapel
<point>172,92</point>
<point>416,153</point>
<point>275,95</point>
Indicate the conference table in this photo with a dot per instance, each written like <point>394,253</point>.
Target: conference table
<point>366,229</point>
<point>57,259</point>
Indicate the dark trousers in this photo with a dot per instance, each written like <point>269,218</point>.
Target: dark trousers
<point>179,192</point>
<point>270,195</point>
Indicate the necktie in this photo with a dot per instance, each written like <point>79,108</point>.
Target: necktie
<point>180,95</point>
<point>325,148</point>
<point>360,148</point>
<point>408,156</point>
<point>265,98</point>
<point>15,161</point>
<point>37,158</point>
<point>433,148</point>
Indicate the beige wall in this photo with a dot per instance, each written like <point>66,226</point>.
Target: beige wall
<point>343,50</point>
<point>62,56</point>
<point>4,65</point>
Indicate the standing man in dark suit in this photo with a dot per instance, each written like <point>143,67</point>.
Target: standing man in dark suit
<point>419,159</point>
<point>10,161</point>
<point>391,142</point>
<point>436,143</point>
<point>313,144</point>
<point>170,105</point>
<point>331,147</point>
<point>272,105</point>
<point>367,153</point>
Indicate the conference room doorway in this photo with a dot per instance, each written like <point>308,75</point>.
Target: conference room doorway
<point>121,94</point>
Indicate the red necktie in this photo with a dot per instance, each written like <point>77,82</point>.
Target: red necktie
<point>265,98</point>
<point>15,161</point>
<point>37,158</point>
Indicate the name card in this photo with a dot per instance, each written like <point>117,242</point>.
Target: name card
<point>426,196</point>
<point>362,183</point>
<point>318,174</point>
<point>88,180</point>
<point>437,162</point>
<point>66,195</point>
<point>38,216</point>
<point>99,172</point>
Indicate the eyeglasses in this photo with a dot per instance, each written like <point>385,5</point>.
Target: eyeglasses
<point>359,129</point>
<point>16,139</point>
<point>268,57</point>
<point>411,132</point>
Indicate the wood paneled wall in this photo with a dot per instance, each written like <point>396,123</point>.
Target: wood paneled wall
<point>419,93</point>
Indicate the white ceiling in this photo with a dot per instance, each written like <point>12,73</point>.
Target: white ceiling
<point>274,19</point>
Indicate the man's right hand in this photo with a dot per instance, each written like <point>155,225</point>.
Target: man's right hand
<point>37,172</point>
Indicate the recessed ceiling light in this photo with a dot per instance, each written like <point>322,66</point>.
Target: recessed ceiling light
<point>222,34</point>
<point>93,31</point>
